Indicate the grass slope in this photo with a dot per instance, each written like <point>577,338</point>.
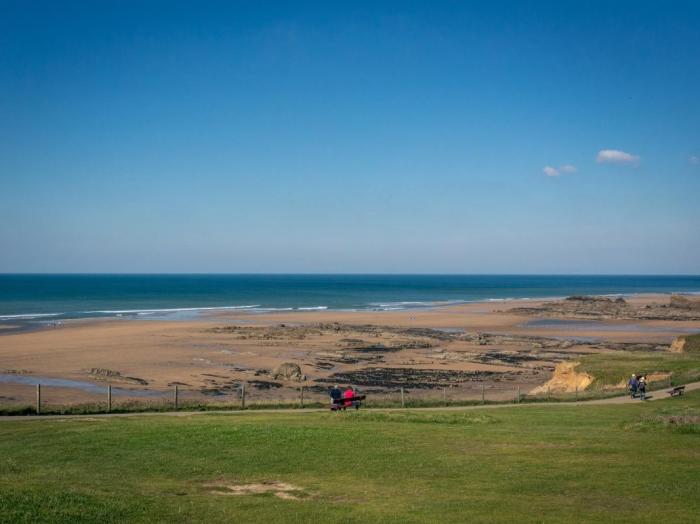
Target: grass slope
<point>633,463</point>
<point>692,343</point>
<point>613,368</point>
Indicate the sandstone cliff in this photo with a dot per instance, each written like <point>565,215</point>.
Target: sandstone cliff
<point>565,380</point>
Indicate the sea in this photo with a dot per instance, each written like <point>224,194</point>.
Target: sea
<point>50,298</point>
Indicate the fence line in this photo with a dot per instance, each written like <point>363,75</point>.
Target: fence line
<point>240,398</point>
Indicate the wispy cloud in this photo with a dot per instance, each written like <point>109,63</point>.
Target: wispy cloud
<point>695,160</point>
<point>614,156</point>
<point>553,171</point>
<point>567,168</point>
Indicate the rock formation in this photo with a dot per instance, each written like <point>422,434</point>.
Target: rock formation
<point>604,308</point>
<point>685,302</point>
<point>288,371</point>
<point>678,345</point>
<point>565,380</point>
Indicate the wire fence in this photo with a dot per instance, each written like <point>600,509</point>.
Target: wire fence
<point>38,398</point>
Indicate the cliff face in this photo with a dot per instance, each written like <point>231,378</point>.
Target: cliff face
<point>565,380</point>
<point>678,345</point>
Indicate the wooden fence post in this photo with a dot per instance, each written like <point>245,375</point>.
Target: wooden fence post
<point>483,394</point>
<point>518,395</point>
<point>444,396</point>
<point>403,403</point>
<point>302,397</point>
<point>175,398</point>
<point>109,398</point>
<point>576,392</point>
<point>38,399</point>
<point>242,395</point>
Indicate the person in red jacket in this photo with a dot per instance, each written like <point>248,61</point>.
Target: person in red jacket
<point>347,395</point>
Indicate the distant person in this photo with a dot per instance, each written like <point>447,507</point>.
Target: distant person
<point>642,386</point>
<point>348,396</point>
<point>357,402</point>
<point>633,385</point>
<point>336,395</point>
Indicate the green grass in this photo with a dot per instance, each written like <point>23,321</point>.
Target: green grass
<point>692,373</point>
<point>692,343</point>
<point>159,406</point>
<point>618,463</point>
<point>98,408</point>
<point>613,368</point>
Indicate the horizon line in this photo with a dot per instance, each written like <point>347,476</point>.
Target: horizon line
<point>167,273</point>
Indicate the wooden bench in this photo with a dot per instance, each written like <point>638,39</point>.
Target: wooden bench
<point>343,403</point>
<point>677,391</point>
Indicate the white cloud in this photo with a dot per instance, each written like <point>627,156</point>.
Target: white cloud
<point>695,160</point>
<point>567,168</point>
<point>613,156</point>
<point>564,169</point>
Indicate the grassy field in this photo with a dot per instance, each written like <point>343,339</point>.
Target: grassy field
<point>692,343</point>
<point>613,368</point>
<point>626,463</point>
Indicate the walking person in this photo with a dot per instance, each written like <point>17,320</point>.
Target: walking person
<point>642,386</point>
<point>356,393</point>
<point>633,385</point>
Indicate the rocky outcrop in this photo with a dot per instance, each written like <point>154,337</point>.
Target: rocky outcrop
<point>114,376</point>
<point>412,378</point>
<point>288,371</point>
<point>535,342</point>
<point>685,302</point>
<point>678,345</point>
<point>285,331</point>
<point>565,380</point>
<point>490,339</point>
<point>596,300</point>
<point>605,308</point>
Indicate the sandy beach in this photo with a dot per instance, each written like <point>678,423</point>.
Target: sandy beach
<point>461,348</point>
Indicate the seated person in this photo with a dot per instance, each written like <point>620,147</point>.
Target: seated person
<point>336,395</point>
<point>349,394</point>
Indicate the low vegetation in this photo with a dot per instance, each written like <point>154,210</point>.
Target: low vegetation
<point>692,343</point>
<point>612,369</point>
<point>531,464</point>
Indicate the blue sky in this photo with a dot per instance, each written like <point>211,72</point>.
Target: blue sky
<point>459,137</point>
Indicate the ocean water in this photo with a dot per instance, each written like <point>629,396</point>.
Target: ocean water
<point>48,298</point>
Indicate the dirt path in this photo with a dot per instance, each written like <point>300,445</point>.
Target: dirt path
<point>653,395</point>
